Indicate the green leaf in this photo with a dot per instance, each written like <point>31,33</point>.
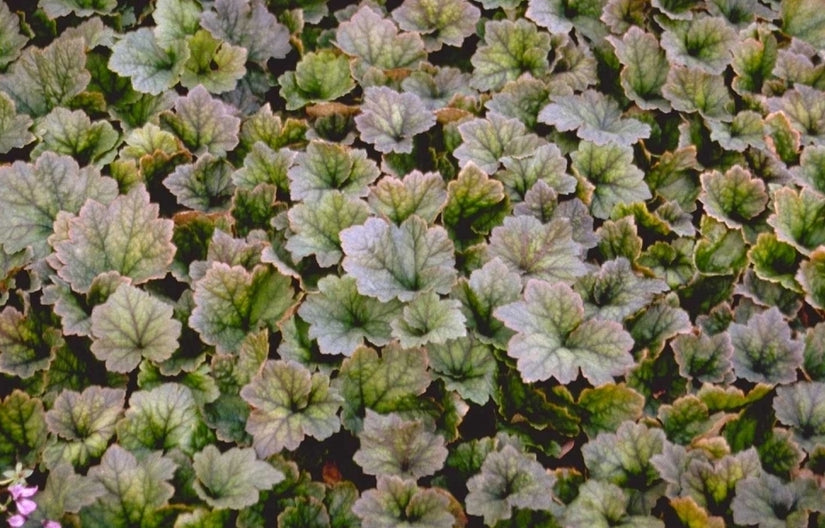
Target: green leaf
<point>391,445</point>
<point>74,134</point>
<point>22,429</point>
<point>734,197</point>
<point>81,8</point>
<point>475,204</point>
<point>205,185</point>
<point>510,49</point>
<point>811,276</point>
<point>121,474</point>
<point>421,194</point>
<point>763,350</point>
<point>43,79</point>
<point>340,318</point>
<point>804,19</point>
<point>799,219</point>
<point>203,123</point>
<point>706,358</point>
<point>165,417</point>
<point>306,512</point>
<point>559,17</point>
<point>427,319</point>
<point>153,66</point>
<point>486,141</point>
<point>555,340</point>
<point>467,366</point>
<point>509,479</point>
<point>132,325</point>
<point>536,250</point>
<point>604,504</point>
<point>448,22</point>
<point>606,407</point>
<point>392,382</point>
<point>11,41</point>
<point>753,61</point>
<point>248,24</point>
<point>232,479</point>
<point>620,238</point>
<point>712,483</point>
<point>687,418</point>
<point>318,76</point>
<point>804,109</point>
<point>703,43</point>
<point>66,492</point>
<point>611,170</point>
<point>594,117</point>
<point>545,163</point>
<point>231,302</point>
<point>645,68</point>
<point>175,20</point>
<point>264,165</point>
<point>398,262</point>
<point>215,64</point>
<point>720,250</point>
<point>614,292</point>
<point>14,128</point>
<point>811,170</point>
<point>85,422</point>
<point>329,166</point>
<point>389,119</point>
<point>802,407</point>
<point>436,85</point>
<point>746,130</point>
<point>31,195</point>
<point>774,261</point>
<point>288,404</point>
<point>125,236</point>
<point>692,90</point>
<point>771,503</point>
<point>396,502</point>
<point>814,352</point>
<point>27,342</point>
<point>376,41</point>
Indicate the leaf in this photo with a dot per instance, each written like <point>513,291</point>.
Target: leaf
<point>74,134</point>
<point>43,79</point>
<point>555,340</point>
<point>802,407</point>
<point>706,358</point>
<point>81,8</point>
<point>604,504</point>
<point>692,90</point>
<point>389,120</point>
<point>66,492</point>
<point>803,19</point>
<point>31,195</point>
<point>814,352</point>
<point>132,325</point>
<point>615,291</point>
<point>340,318</point>
<point>175,20</point>
<point>215,64</point>
<point>421,194</point>
<point>536,250</point>
<point>774,261</point>
<point>248,24</point>
<point>560,17</point>
<point>811,276</point>
<point>232,479</point>
<point>398,262</point>
<point>606,407</point>
<point>486,141</point>
<point>509,479</point>
<point>771,503</point>
<point>610,169</point>
<point>447,22</point>
<point>231,302</point>
<point>798,218</point>
<point>509,50</point>
<point>153,66</point>
<point>396,502</point>
<point>11,41</point>
<point>22,428</point>
<point>328,166</point>
<point>621,15</point>
<point>393,382</point>
<point>203,123</point>
<point>703,43</point>
<point>125,236</point>
<point>205,185</point>
<point>14,128</point>
<point>720,250</point>
<point>594,117</point>
<point>288,404</point>
<point>436,86</point>
<point>164,417</point>
<point>264,165</point>
<point>119,473</point>
<point>805,110</point>
<point>746,130</point>
<point>306,512</point>
<point>85,422</point>
<point>467,366</point>
<point>27,342</point>
<point>734,197</point>
<point>475,204</point>
<point>545,163</point>
<point>427,319</point>
<point>377,42</point>
<point>753,61</point>
<point>318,76</point>
<point>764,351</point>
<point>811,170</point>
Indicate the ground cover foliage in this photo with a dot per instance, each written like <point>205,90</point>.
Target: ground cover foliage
<point>416,263</point>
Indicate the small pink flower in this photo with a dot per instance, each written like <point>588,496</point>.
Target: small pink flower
<point>51,524</point>
<point>25,506</point>
<point>19,491</point>
<point>16,521</point>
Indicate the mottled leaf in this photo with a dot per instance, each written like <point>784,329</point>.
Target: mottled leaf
<point>389,119</point>
<point>328,166</point>
<point>510,49</point>
<point>763,350</point>
<point>232,479</point>
<point>594,117</point>
<point>248,24</point>
<point>203,123</point>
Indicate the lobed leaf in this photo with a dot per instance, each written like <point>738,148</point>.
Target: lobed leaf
<point>428,319</point>
<point>232,479</point>
<point>248,24</point>
<point>329,166</point>
<point>510,49</point>
<point>397,502</point>
<point>610,169</point>
<point>389,119</point>
<point>594,117</point>
<point>763,350</point>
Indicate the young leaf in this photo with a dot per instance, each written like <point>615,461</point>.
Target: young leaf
<point>132,325</point>
<point>22,428</point>
<point>85,422</point>
<point>509,479</point>
<point>734,197</point>
<point>27,342</point>
<point>720,250</point>
<point>397,502</point>
<point>509,50</point>
<point>264,165</point>
<point>802,407</point>
<point>340,318</point>
<point>447,22</point>
<point>205,185</point>
<point>747,129</point>
<point>248,24</point>
<point>774,261</point>
<point>805,110</point>
<point>536,250</point>
<point>232,479</point>
<point>175,20</point>
<point>428,319</point>
<point>305,512</point>
<point>545,163</point>
<point>804,19</point>
<point>489,287</point>
<point>606,407</point>
<point>215,64</point>
<point>693,90</point>
<point>486,141</point>
<point>319,76</point>
<point>389,120</point>
<point>203,123</point>
<point>814,353</point>
<point>14,128</point>
<point>437,85</point>
<point>126,236</point>
<point>811,276</point>
<point>555,340</point>
<point>11,41</point>
<point>328,166</point>
<point>421,194</point>
<point>467,366</point>
<point>475,204</point>
<point>610,169</point>
<point>645,68</point>
<point>391,445</point>
<point>32,195</point>
<point>231,301</point>
<point>74,134</point>
<point>153,66</point>
<point>753,61</point>
<point>614,292</point>
<point>377,42</point>
<point>316,226</point>
<point>763,350</point>
<point>703,43</point>
<point>288,404</point>
<point>604,504</point>
<point>706,358</point>
<point>798,219</point>
<point>398,262</point>
<point>594,117</point>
